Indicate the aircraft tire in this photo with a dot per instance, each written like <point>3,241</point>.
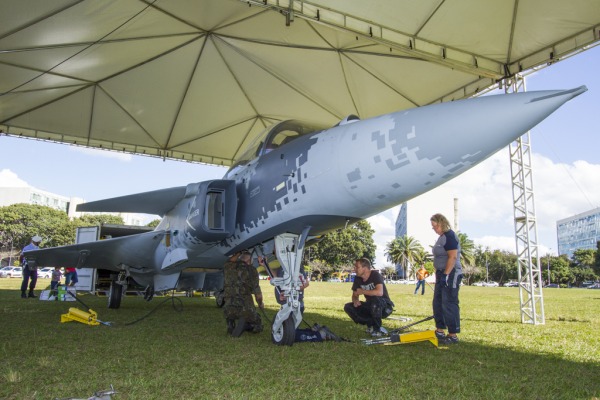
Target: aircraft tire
<point>286,335</point>
<point>115,294</point>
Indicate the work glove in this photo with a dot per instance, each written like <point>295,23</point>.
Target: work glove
<point>445,280</point>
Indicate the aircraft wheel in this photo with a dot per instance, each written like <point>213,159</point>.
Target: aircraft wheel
<point>286,335</point>
<point>114,295</point>
<point>220,298</point>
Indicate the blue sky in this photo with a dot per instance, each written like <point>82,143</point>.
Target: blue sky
<point>566,168</point>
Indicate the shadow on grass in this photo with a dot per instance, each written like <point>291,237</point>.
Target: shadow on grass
<point>187,355</point>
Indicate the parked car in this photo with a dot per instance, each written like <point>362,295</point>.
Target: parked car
<point>11,272</point>
<point>511,284</point>
<point>552,285</point>
<point>491,284</point>
<point>45,272</point>
<point>594,286</point>
<point>479,284</point>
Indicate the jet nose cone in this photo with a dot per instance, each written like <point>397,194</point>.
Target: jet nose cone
<point>407,153</point>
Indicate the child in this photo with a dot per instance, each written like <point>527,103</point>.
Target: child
<point>54,282</point>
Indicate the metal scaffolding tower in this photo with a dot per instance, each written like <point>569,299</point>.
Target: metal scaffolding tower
<point>530,277</point>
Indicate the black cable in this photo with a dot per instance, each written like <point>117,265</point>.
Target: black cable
<point>172,298</point>
<point>402,328</point>
<point>265,315</point>
<point>75,297</point>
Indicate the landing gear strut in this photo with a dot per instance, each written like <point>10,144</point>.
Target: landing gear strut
<point>149,293</point>
<point>289,249</point>
<point>117,288</point>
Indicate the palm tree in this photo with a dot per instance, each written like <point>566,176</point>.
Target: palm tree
<point>423,257</point>
<point>404,250</point>
<point>467,250</point>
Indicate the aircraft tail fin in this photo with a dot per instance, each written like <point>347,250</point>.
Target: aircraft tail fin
<point>157,202</point>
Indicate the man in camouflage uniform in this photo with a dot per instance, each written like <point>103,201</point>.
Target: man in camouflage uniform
<point>240,282</point>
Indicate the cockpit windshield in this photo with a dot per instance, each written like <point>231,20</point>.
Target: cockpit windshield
<point>274,137</point>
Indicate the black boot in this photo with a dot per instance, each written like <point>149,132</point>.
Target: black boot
<point>230,326</point>
<point>23,295</point>
<point>240,327</point>
<point>31,294</point>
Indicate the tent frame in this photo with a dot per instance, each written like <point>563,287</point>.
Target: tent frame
<point>529,272</point>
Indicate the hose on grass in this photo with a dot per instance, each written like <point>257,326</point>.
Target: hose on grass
<point>172,298</point>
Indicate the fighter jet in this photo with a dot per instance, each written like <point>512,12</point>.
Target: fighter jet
<point>296,182</point>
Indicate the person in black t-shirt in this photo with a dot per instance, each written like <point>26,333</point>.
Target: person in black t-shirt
<point>377,304</point>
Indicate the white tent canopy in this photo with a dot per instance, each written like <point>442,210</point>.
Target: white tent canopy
<point>198,79</point>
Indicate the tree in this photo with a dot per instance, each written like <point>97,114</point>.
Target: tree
<point>467,249</point>
<point>474,270</point>
<point>389,271</point>
<point>582,265</point>
<point>340,248</point>
<point>503,266</point>
<point>98,219</point>
<point>499,266</point>
<point>318,269</point>
<point>404,250</point>
<point>597,264</point>
<point>560,271</point>
<point>585,258</point>
<point>19,222</point>
<point>154,223</point>
<point>422,257</point>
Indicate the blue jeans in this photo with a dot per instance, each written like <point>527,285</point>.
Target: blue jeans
<point>446,311</point>
<point>71,277</point>
<point>422,284</point>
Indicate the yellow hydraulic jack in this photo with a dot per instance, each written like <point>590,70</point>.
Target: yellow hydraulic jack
<point>77,315</point>
<point>396,337</point>
<point>403,338</point>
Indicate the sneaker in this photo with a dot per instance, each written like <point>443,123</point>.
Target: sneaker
<point>369,329</point>
<point>440,335</point>
<point>449,340</point>
<point>23,295</point>
<point>379,333</point>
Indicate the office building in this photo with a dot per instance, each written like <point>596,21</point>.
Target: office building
<point>581,231</point>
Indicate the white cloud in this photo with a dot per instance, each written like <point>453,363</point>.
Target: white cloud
<point>10,179</point>
<point>496,242</point>
<point>486,203</point>
<point>385,231</point>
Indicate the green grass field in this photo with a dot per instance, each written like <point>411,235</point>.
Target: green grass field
<point>181,351</point>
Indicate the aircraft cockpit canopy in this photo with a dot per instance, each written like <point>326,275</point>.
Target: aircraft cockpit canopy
<point>274,137</point>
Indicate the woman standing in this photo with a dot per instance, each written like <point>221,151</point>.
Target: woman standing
<point>448,275</point>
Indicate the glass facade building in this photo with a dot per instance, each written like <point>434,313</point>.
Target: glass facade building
<point>581,231</point>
